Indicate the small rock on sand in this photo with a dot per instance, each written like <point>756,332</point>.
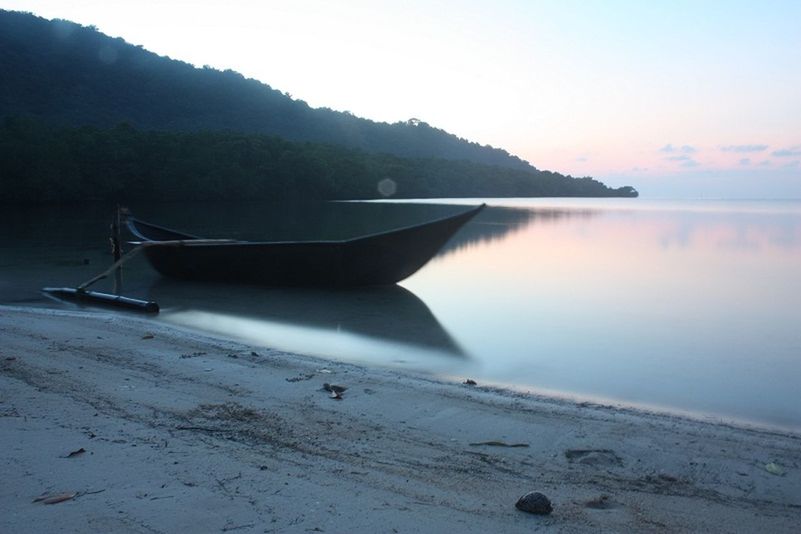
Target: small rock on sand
<point>534,503</point>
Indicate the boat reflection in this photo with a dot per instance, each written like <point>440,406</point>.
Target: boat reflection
<point>497,223</point>
<point>387,313</point>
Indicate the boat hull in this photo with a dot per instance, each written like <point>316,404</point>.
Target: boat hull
<point>378,259</point>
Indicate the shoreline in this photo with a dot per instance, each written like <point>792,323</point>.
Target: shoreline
<point>186,432</point>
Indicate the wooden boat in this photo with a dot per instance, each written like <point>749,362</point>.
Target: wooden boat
<point>377,259</point>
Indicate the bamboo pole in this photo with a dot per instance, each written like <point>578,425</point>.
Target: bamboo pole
<point>141,246</point>
<point>116,248</point>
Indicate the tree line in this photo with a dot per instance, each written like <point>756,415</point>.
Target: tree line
<point>46,164</point>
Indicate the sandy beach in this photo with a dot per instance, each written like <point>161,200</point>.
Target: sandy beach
<point>140,427</point>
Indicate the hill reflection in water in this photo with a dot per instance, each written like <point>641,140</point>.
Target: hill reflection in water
<point>498,223</point>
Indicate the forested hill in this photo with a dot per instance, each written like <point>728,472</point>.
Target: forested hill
<point>41,163</point>
<point>84,116</point>
<point>73,75</point>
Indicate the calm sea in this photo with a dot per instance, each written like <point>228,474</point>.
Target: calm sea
<point>691,306</point>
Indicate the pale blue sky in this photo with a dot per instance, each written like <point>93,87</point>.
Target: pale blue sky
<point>601,88</point>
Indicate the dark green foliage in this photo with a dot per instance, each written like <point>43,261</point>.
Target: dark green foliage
<point>75,75</point>
<point>45,164</point>
<point>88,117</point>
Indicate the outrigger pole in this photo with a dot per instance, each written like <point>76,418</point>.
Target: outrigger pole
<point>81,294</point>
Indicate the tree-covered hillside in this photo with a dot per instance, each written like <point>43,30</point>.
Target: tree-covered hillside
<point>76,75</point>
<point>65,88</point>
<point>45,164</point>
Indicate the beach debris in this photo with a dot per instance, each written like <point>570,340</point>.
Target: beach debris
<point>534,503</point>
<point>57,498</point>
<point>602,502</point>
<point>325,371</point>
<point>254,353</point>
<point>335,391</point>
<point>497,444</point>
<point>774,469</point>
<point>300,378</point>
<point>11,358</point>
<point>229,527</point>
<point>148,336</point>
<point>469,382</point>
<point>73,454</point>
<point>597,457</point>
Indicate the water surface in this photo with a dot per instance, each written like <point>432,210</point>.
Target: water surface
<point>683,306</point>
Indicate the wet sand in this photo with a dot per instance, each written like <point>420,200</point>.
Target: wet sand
<point>182,432</point>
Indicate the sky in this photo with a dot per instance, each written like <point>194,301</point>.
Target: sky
<point>681,99</point>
